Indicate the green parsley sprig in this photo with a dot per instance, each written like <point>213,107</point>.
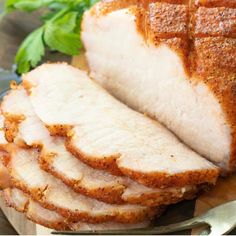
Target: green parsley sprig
<point>60,30</point>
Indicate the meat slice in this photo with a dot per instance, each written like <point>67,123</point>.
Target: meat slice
<point>3,140</point>
<point>4,174</point>
<point>83,179</point>
<point>52,194</point>
<point>174,62</point>
<point>54,157</point>
<point>108,135</point>
<point>22,202</point>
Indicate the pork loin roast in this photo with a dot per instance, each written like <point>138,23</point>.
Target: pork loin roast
<point>173,60</point>
<point>108,135</point>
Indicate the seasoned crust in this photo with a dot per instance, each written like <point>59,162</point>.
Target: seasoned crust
<point>168,20</point>
<point>215,64</point>
<point>153,180</point>
<point>218,21</point>
<point>108,194</point>
<point>177,180</point>
<point>59,130</point>
<point>11,127</point>
<point>106,163</point>
<point>216,3</point>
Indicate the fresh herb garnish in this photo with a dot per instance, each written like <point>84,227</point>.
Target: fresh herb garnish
<point>60,30</point>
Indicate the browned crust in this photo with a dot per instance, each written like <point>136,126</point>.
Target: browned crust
<point>106,163</point>
<point>57,225</point>
<point>106,6</point>
<point>59,130</point>
<point>168,20</point>
<point>216,3</point>
<point>11,126</point>
<point>215,64</point>
<point>153,180</point>
<point>110,194</point>
<point>218,21</point>
<point>163,180</point>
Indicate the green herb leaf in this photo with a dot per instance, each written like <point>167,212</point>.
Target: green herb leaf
<point>60,30</point>
<point>31,51</point>
<point>58,39</point>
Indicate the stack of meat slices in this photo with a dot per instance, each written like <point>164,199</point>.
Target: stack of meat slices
<point>79,159</point>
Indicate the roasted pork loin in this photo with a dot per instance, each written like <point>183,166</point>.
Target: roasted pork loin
<point>173,60</point>
<point>108,135</point>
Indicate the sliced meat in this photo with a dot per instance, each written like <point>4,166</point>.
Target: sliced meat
<point>21,202</point>
<point>3,140</point>
<point>165,60</point>
<point>54,157</point>
<point>5,179</point>
<point>52,194</point>
<point>4,174</point>
<point>108,135</point>
<point>83,179</point>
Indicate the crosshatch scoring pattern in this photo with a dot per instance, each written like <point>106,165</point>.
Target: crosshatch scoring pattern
<point>202,32</point>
